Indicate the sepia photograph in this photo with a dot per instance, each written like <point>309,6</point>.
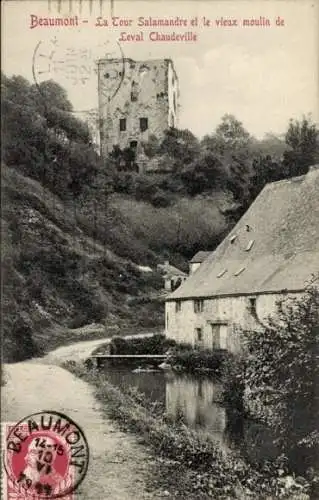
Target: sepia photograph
<point>160,249</point>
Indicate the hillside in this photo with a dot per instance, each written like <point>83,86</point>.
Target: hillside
<point>56,277</point>
<point>77,228</point>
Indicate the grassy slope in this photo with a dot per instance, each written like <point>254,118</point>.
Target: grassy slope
<point>66,265</point>
<point>58,277</point>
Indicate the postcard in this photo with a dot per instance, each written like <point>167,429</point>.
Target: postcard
<point>160,226</point>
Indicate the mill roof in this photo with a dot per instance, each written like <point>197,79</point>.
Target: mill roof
<point>274,247</point>
<point>199,257</point>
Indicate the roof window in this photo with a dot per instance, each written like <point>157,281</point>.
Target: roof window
<point>222,273</point>
<point>237,273</point>
<point>250,245</point>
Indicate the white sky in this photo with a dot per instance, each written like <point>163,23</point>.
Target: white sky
<point>263,76</point>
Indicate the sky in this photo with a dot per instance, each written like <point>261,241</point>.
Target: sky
<point>264,75</point>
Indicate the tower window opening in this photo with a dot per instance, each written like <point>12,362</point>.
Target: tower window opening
<point>122,124</point>
<point>143,124</point>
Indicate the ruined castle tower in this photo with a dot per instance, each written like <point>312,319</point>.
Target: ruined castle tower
<point>137,99</point>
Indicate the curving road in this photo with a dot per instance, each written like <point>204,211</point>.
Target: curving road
<point>119,466</point>
<point>79,351</point>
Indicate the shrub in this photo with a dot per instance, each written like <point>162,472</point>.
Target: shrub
<point>194,359</point>
<point>157,344</point>
<point>217,474</point>
<point>282,373</point>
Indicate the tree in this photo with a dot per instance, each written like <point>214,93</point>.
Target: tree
<point>181,145</point>
<point>231,144</point>
<point>205,173</point>
<point>302,138</point>
<point>282,369</point>
<point>230,135</point>
<point>265,170</point>
<point>43,138</point>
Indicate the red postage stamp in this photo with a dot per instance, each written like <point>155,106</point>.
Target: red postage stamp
<point>45,456</point>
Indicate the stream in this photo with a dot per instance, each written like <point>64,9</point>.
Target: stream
<point>196,399</point>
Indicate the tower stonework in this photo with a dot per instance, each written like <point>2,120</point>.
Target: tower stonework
<point>137,99</point>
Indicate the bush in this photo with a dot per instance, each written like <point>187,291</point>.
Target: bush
<point>216,474</point>
<point>282,374</point>
<point>157,344</point>
<point>192,359</point>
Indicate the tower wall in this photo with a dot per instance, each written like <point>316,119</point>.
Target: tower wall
<point>136,99</point>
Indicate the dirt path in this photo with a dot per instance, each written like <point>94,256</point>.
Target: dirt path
<point>78,351</point>
<point>119,465</point>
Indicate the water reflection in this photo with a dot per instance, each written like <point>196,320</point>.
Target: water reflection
<point>194,399</point>
<point>197,401</point>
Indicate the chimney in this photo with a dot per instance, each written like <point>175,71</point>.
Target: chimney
<point>166,263</point>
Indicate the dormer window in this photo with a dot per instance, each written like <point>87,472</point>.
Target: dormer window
<point>241,270</point>
<point>221,274</point>
<point>250,245</point>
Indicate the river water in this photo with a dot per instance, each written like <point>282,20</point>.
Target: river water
<point>197,399</point>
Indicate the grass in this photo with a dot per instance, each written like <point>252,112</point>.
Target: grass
<point>209,471</point>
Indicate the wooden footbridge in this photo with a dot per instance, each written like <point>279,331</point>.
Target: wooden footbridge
<point>98,358</point>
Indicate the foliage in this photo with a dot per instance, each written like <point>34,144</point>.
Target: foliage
<point>157,344</point>
<point>216,474</point>
<point>302,137</point>
<point>265,170</point>
<point>181,145</point>
<point>43,138</point>
<point>233,383</point>
<point>282,372</point>
<point>190,359</point>
<point>183,228</point>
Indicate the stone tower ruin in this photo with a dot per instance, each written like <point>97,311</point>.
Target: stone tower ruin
<point>137,99</point>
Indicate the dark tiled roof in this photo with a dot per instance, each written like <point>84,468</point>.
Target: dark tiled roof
<point>169,270</point>
<point>274,247</point>
<point>200,256</point>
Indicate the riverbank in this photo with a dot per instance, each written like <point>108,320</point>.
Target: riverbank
<point>120,467</point>
<point>195,466</point>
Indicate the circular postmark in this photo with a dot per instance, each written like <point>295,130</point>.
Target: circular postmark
<point>46,456</point>
<point>77,66</point>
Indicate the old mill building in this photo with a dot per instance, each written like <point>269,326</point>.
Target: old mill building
<point>137,99</point>
<point>271,253</point>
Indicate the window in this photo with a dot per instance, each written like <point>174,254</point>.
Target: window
<point>252,305</point>
<point>250,245</point>
<point>241,270</point>
<point>178,306</point>
<point>133,144</point>
<point>198,305</point>
<point>143,124</point>
<point>199,334</point>
<point>233,238</point>
<point>174,102</point>
<point>221,274</point>
<point>134,92</point>
<point>122,124</point>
